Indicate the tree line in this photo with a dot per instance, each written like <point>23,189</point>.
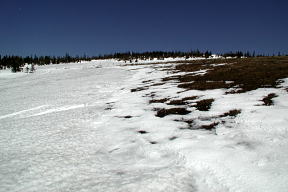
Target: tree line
<point>129,56</point>
<point>16,62</point>
<point>126,56</point>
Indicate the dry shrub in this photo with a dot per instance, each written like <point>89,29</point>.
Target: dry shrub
<point>173,111</point>
<point>204,105</point>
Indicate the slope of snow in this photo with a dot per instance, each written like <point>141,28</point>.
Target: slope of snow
<point>78,127</point>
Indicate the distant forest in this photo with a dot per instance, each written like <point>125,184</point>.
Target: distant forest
<point>16,62</point>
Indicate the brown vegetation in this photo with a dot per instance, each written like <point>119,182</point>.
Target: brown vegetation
<point>204,105</point>
<point>268,99</point>
<point>173,111</point>
<point>247,73</point>
<point>209,127</point>
<point>231,113</point>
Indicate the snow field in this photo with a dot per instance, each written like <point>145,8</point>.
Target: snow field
<point>78,127</point>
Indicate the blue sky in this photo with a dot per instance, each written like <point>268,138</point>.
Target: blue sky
<point>56,27</point>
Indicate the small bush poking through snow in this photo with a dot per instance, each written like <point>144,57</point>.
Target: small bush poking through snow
<point>158,100</point>
<point>173,138</point>
<point>268,99</point>
<point>177,102</point>
<point>139,89</point>
<point>173,111</point>
<point>182,101</point>
<point>142,132</point>
<point>231,113</point>
<point>204,105</point>
<point>209,127</point>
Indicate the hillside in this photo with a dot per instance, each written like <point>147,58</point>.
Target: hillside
<point>204,125</point>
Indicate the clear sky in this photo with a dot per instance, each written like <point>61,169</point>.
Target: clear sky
<point>56,27</point>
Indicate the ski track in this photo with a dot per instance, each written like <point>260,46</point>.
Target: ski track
<point>59,109</point>
<point>23,111</point>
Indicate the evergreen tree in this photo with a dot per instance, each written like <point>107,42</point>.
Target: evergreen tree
<point>32,69</point>
<point>15,67</point>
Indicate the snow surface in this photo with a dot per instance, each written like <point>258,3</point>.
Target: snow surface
<point>74,127</point>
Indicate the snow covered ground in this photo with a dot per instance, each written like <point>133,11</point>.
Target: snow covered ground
<point>78,127</point>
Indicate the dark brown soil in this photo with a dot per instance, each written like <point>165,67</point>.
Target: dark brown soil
<point>153,142</point>
<point>182,101</point>
<point>158,100</point>
<point>209,127</point>
<point>142,132</point>
<point>268,99</point>
<point>247,74</point>
<point>231,113</point>
<point>139,89</point>
<point>177,102</point>
<point>204,105</point>
<point>173,111</point>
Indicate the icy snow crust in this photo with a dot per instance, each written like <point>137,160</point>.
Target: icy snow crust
<point>75,127</point>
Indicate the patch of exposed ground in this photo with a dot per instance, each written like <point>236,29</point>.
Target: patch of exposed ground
<point>235,75</point>
<point>158,100</point>
<point>204,105</point>
<point>209,127</point>
<point>246,74</point>
<point>183,101</point>
<point>267,100</point>
<point>231,113</point>
<point>173,111</point>
<point>216,120</point>
<point>139,88</point>
<point>142,132</point>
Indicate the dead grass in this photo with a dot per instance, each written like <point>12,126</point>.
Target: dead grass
<point>153,142</point>
<point>172,78</point>
<point>125,117</point>
<point>173,111</point>
<point>192,126</point>
<point>268,99</point>
<point>177,102</point>
<point>204,105</point>
<point>157,84</point>
<point>183,101</point>
<point>203,85</point>
<point>247,74</point>
<point>142,132</point>
<point>108,108</point>
<point>146,87</point>
<point>147,81</point>
<point>231,113</point>
<point>139,89</point>
<point>158,100</point>
<point>173,138</point>
<point>190,98</point>
<point>209,127</point>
